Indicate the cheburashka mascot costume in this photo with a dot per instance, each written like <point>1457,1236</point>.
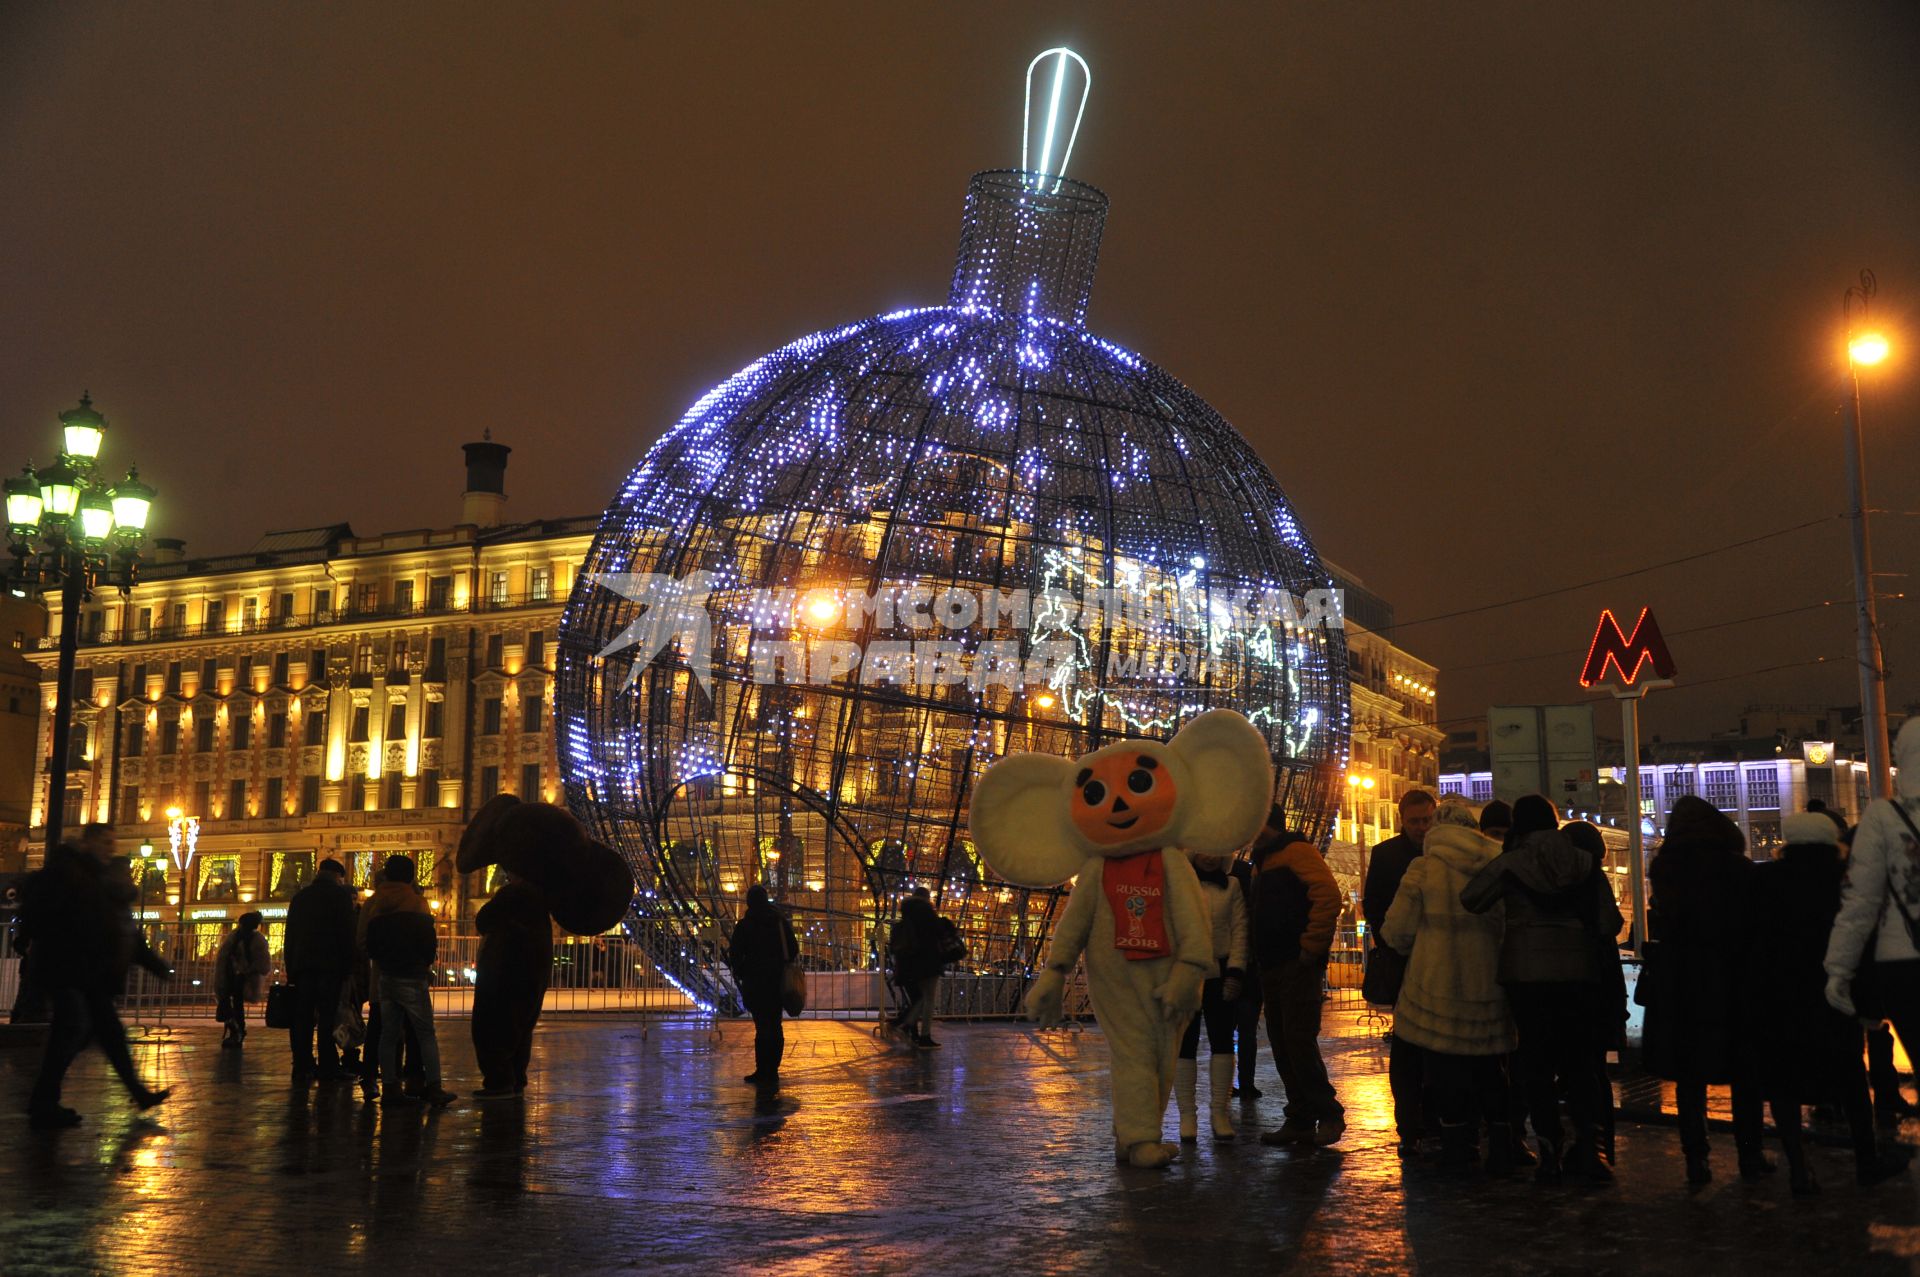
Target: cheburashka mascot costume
<point>1120,818</point>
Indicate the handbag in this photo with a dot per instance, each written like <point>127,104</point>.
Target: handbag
<point>279,1006</point>
<point>1386,972</point>
<point>793,981</point>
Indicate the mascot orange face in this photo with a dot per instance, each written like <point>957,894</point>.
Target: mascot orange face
<point>1036,818</point>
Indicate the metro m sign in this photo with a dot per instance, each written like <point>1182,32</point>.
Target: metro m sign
<point>1626,652</point>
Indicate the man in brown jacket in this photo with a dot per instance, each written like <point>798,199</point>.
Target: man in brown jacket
<point>1296,905</point>
<point>395,892</point>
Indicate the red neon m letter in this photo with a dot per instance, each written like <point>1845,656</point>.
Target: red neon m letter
<point>1626,652</point>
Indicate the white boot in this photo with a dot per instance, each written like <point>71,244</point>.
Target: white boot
<point>1185,1074</point>
<point>1220,1070</point>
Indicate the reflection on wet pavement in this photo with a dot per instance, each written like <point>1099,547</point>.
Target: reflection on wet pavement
<point>639,1148</point>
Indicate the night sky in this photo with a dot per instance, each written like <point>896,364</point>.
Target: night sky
<point>1510,296</point>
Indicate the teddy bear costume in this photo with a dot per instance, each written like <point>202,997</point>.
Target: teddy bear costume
<point>1117,821</point>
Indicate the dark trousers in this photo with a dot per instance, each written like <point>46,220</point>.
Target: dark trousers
<point>1558,1050</point>
<point>78,1017</point>
<point>504,1016</point>
<point>1407,1080</point>
<point>1847,1077</point>
<point>1246,1030</point>
<point>1749,1120</point>
<point>1467,1088</point>
<point>1293,1000</point>
<point>1218,1015</point>
<point>316,1006</point>
<point>769,1038</point>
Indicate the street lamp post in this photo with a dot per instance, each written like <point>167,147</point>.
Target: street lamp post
<point>69,530</point>
<point>1865,349</point>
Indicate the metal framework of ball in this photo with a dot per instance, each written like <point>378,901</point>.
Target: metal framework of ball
<point>872,562</point>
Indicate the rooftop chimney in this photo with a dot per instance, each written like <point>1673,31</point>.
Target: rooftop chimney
<point>167,550</point>
<point>486,495</point>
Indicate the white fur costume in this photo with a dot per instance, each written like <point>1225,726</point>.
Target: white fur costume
<point>1024,825</point>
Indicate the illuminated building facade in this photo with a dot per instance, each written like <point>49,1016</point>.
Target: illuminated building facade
<point>320,695</point>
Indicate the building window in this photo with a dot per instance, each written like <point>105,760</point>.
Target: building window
<point>430,788</point>
<point>237,799</point>
<point>170,736</point>
<point>209,674</point>
<point>536,647</point>
<point>393,795</point>
<point>283,608</point>
<point>173,678</point>
<point>203,732</point>
<point>287,873</point>
<point>71,807</point>
<point>177,619</point>
<point>490,716</point>
<point>496,651</point>
<point>530,782</point>
<point>363,658</point>
<point>130,803</point>
<point>1763,789</point>
<point>277,729</point>
<point>242,726</point>
<point>137,685</point>
<point>309,795</point>
<point>1722,789</point>
<point>436,720</point>
<point>317,665</point>
<point>397,720</point>
<point>403,595</point>
<point>145,623</point>
<point>202,799</point>
<point>539,584</point>
<point>276,798</point>
<point>316,727</point>
<point>280,660</point>
<point>243,673</point>
<point>397,657</point>
<point>216,616</point>
<point>489,783</point>
<point>357,793</point>
<point>219,879</point>
<point>366,599</point>
<point>497,587</point>
<point>357,733</point>
<point>530,708</point>
<point>136,735</point>
<point>250,613</point>
<point>436,659</point>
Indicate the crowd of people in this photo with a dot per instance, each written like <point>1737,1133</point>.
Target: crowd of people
<point>1495,937</point>
<point>78,940</point>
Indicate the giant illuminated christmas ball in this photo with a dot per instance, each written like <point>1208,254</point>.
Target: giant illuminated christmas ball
<point>869,563</point>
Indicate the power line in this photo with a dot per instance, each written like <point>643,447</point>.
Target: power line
<point>1617,576</point>
<point>1697,629</point>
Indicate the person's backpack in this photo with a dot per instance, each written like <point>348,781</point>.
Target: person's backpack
<point>948,945</point>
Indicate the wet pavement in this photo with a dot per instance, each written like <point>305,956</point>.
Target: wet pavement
<point>639,1148</point>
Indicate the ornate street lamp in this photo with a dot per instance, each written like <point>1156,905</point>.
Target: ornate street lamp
<point>72,531</point>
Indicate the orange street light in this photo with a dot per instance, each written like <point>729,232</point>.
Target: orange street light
<point>1867,349</point>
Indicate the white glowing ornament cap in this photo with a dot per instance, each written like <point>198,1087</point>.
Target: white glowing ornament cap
<point>1040,142</point>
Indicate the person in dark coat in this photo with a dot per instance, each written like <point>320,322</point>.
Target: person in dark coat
<point>510,984</point>
<point>74,914</point>
<point>1610,999</point>
<point>1809,1051</point>
<point>763,943</point>
<point>1550,967</point>
<point>318,957</point>
<point>1385,867</point>
<point>1702,933</point>
<point>913,949</point>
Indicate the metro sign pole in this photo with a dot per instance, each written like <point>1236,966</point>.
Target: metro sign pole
<point>1628,654</point>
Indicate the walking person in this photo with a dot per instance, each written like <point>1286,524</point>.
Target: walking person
<point>318,957</point>
<point>1296,906</point>
<point>1702,931</point>
<point>1556,912</point>
<point>401,943</point>
<point>1451,1004</point>
<point>1247,1008</point>
<point>1386,966</point>
<point>74,914</point>
<point>914,950</point>
<point>763,943</point>
<point>1219,1005</point>
<point>1810,1052</point>
<point>510,984</point>
<point>240,969</point>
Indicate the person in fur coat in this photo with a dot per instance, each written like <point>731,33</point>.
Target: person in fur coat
<point>1451,1003</point>
<point>1109,821</point>
<point>1219,1005</point>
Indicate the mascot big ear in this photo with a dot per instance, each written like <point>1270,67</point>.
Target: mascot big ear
<point>480,842</point>
<point>1019,821</point>
<point>1230,781</point>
